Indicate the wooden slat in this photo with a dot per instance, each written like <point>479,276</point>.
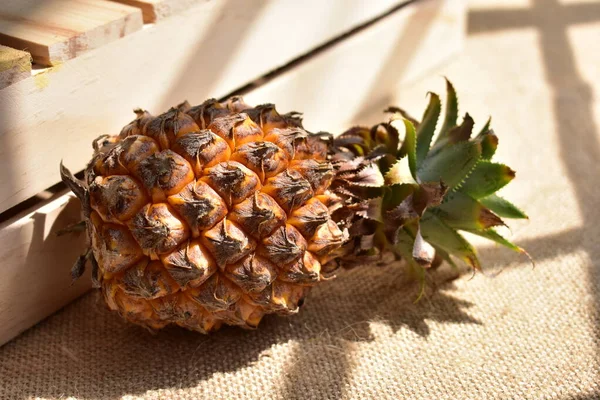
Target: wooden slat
<point>155,10</point>
<point>35,264</point>
<point>208,51</point>
<point>356,78</point>
<point>54,31</point>
<point>15,65</point>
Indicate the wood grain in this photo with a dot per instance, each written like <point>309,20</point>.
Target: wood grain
<point>349,83</point>
<point>208,51</point>
<point>155,10</point>
<point>15,65</point>
<point>35,264</point>
<point>54,31</point>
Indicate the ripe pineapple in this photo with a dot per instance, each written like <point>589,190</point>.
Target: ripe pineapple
<point>222,213</point>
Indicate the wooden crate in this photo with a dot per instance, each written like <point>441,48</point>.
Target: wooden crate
<point>54,31</point>
<point>15,65</point>
<point>364,49</point>
<point>34,271</point>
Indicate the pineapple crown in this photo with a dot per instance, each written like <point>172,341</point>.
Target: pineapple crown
<point>412,195</point>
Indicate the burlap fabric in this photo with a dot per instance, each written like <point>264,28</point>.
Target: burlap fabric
<point>526,333</point>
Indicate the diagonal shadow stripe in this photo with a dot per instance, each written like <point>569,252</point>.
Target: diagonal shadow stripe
<point>540,248</point>
<point>572,107</point>
<point>489,20</point>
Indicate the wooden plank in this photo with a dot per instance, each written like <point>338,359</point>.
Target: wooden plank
<point>353,81</point>
<point>54,31</point>
<point>35,264</point>
<point>155,10</point>
<point>15,65</point>
<point>208,51</point>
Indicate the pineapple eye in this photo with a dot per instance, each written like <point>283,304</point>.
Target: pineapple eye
<point>113,245</point>
<point>158,229</point>
<point>148,280</point>
<point>168,126</point>
<point>305,271</point>
<point>326,238</point>
<point>189,265</point>
<point>164,174</point>
<point>259,215</point>
<point>199,205</point>
<point>236,129</point>
<point>233,181</point>
<point>289,189</point>
<point>264,158</point>
<point>205,113</point>
<point>318,174</point>
<point>284,246</point>
<point>227,243</point>
<point>117,198</point>
<point>252,274</point>
<point>202,149</point>
<point>216,294</point>
<point>309,217</point>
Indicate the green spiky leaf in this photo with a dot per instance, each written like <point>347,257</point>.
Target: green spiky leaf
<point>451,111</point>
<point>452,164</point>
<point>409,147</point>
<point>489,144</point>
<point>486,179</point>
<point>486,127</point>
<point>488,139</point>
<point>502,207</point>
<point>445,256</point>
<point>460,133</point>
<point>400,173</point>
<point>439,234</point>
<point>427,127</point>
<point>492,235</point>
<point>463,212</point>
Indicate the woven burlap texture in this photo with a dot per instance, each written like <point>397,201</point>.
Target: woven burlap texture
<point>527,333</point>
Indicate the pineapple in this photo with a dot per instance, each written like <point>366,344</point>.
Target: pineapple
<point>222,213</point>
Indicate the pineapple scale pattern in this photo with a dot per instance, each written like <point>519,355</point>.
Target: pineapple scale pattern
<point>209,215</point>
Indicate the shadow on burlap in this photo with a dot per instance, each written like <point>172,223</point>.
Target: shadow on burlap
<point>88,352</point>
<point>526,333</point>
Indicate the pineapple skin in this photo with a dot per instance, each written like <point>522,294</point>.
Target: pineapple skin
<point>210,215</point>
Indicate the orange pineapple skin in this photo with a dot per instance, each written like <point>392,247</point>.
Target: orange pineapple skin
<point>210,215</point>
